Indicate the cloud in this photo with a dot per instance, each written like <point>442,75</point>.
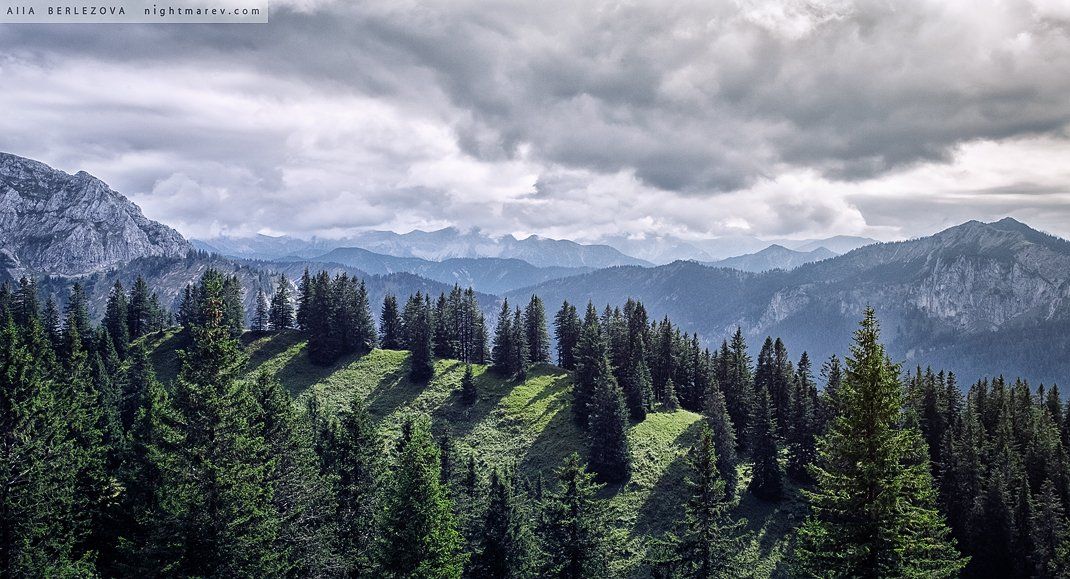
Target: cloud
<point>796,118</point>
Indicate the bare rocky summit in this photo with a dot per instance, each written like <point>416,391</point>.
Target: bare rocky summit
<point>55,223</point>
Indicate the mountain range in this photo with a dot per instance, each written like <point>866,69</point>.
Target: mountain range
<point>978,298</point>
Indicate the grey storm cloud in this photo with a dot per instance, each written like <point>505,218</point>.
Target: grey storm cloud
<point>414,114</point>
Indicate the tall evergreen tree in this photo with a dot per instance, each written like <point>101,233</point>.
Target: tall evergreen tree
<point>418,330</point>
<point>520,357</point>
<point>301,498</point>
<point>567,329</point>
<point>591,364</point>
<point>216,515</point>
<point>357,465</point>
<point>608,421</point>
<point>115,316</point>
<point>420,537</point>
<point>874,509</point>
<point>304,301</point>
<point>767,480</point>
<point>724,438</point>
<point>38,468</point>
<point>505,548</point>
<point>502,353</point>
<point>140,310</point>
<point>260,316</point>
<point>281,313</point>
<point>736,381</point>
<point>469,394</point>
<point>711,544</point>
<point>802,422</point>
<point>537,338</point>
<point>390,324</point>
<point>574,532</point>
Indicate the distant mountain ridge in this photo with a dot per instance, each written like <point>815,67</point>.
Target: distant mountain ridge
<point>978,299</point>
<point>773,257</point>
<point>437,245</point>
<point>55,223</point>
<point>488,274</point>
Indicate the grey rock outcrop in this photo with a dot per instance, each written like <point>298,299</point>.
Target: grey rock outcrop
<point>55,223</point>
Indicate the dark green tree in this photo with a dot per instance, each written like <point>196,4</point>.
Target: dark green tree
<point>260,315</point>
<point>281,313</point>
<point>115,316</point>
<point>420,537</point>
<point>567,330</point>
<point>390,324</point>
<point>505,548</point>
<point>873,510</point>
<point>767,480</point>
<point>574,532</point>
<point>469,394</point>
<point>538,339</point>
<point>610,454</point>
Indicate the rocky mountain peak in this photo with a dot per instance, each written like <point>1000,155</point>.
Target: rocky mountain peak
<point>55,223</point>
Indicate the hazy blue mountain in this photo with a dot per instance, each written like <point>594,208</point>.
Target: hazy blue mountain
<point>489,274</point>
<point>979,298</point>
<point>55,223</point>
<point>837,244</point>
<point>437,245</point>
<point>773,257</point>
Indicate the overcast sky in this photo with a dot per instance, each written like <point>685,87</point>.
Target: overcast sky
<point>576,120</point>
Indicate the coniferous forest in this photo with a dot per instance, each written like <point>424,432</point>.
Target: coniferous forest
<point>179,444</point>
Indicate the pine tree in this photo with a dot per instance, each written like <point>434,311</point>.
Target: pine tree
<point>636,382</point>
<point>301,498</point>
<point>469,394</point>
<point>724,438</point>
<point>802,423</point>
<point>737,383</point>
<point>140,311</point>
<point>874,506</point>
<point>260,317</point>
<point>505,545</point>
<point>520,358</point>
<point>76,314</point>
<point>38,467</point>
<point>281,313</point>
<point>216,514</point>
<point>538,340</point>
<point>591,365</point>
<point>50,324</point>
<point>608,420</point>
<point>711,544</point>
<point>575,531</point>
<point>669,400</point>
<point>357,465</point>
<point>304,300</point>
<point>115,316</point>
<point>767,480</point>
<point>390,324</point>
<point>502,353</point>
<point>567,329</point>
<point>1048,529</point>
<point>420,537</point>
<point>419,336</point>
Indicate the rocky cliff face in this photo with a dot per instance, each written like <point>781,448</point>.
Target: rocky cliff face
<point>60,224</point>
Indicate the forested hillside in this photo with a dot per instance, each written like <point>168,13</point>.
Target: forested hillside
<point>337,437</point>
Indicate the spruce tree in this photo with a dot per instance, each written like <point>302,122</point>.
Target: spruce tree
<point>502,353</point>
<point>711,544</point>
<point>520,357</point>
<point>139,311</point>
<point>260,316</point>
<point>357,466</point>
<point>591,364</point>
<point>304,301</point>
<point>567,329</point>
<point>115,314</point>
<point>574,533</point>
<point>802,423</point>
<point>505,546</point>
<point>390,324</point>
<point>38,468</point>
<point>873,510</point>
<point>469,394</point>
<point>636,382</point>
<point>422,364</point>
<point>281,312</point>
<point>420,537</point>
<point>538,340</point>
<point>737,383</point>
<point>610,454</point>
<point>301,498</point>
<point>724,438</point>
<point>767,479</point>
<point>216,514</point>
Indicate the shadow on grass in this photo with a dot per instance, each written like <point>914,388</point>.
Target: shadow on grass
<point>299,374</point>
<point>663,509</point>
<point>264,347</point>
<point>558,439</point>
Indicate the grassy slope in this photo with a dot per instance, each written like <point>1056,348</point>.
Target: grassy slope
<point>524,423</point>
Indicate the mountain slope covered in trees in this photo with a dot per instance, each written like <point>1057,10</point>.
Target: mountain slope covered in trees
<point>979,298</point>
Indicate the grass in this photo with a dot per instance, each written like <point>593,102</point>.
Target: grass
<point>523,423</point>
